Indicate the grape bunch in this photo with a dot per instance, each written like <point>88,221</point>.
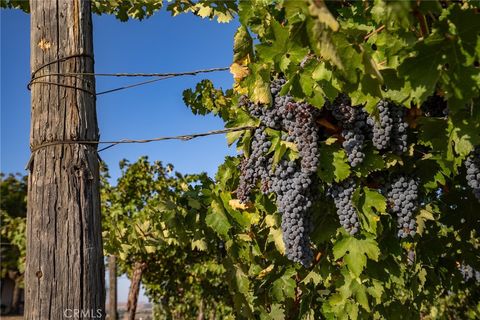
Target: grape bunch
<point>402,195</point>
<point>381,129</point>
<point>398,140</point>
<point>291,181</point>
<point>390,131</point>
<point>468,273</point>
<point>472,164</point>
<point>342,194</point>
<point>300,123</point>
<point>354,127</point>
<point>255,166</point>
<point>293,191</point>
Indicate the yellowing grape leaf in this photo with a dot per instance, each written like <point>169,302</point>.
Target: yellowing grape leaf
<point>236,204</point>
<point>276,234</point>
<point>319,10</point>
<point>150,249</point>
<point>265,271</point>
<point>199,244</point>
<point>239,71</point>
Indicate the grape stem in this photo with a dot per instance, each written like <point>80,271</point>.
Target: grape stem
<point>379,29</point>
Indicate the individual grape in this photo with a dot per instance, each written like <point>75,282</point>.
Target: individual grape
<point>472,165</point>
<point>342,194</point>
<point>402,195</point>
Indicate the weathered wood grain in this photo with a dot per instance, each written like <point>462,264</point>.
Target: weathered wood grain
<point>65,268</point>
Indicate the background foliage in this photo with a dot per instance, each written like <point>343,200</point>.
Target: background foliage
<point>13,211</point>
<point>155,216</point>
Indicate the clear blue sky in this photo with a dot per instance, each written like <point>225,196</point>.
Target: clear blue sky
<point>159,44</point>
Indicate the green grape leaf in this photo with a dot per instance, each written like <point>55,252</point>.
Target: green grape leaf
<point>199,244</point>
<point>277,237</point>
<point>333,164</point>
<point>342,169</point>
<point>372,162</point>
<point>313,277</point>
<point>280,150</point>
<point>150,249</point>
<point>369,202</point>
<point>355,252</point>
<point>217,220</point>
<point>424,216</point>
<point>284,287</point>
<point>241,280</point>
<point>242,44</point>
<point>276,312</point>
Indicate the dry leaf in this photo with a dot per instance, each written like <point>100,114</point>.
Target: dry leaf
<point>236,204</point>
<point>265,271</point>
<point>239,71</point>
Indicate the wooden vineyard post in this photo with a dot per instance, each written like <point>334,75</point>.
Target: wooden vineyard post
<point>65,268</point>
<point>112,287</point>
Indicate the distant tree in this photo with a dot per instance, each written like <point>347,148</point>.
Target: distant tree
<point>13,192</point>
<point>153,222</point>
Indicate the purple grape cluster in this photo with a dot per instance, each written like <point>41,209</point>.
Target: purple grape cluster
<point>468,273</point>
<point>291,181</point>
<point>254,167</point>
<point>294,199</point>
<point>353,120</point>
<point>342,194</point>
<point>381,129</point>
<point>472,164</point>
<point>390,131</point>
<point>398,140</point>
<point>402,194</point>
